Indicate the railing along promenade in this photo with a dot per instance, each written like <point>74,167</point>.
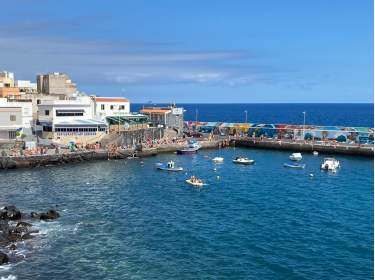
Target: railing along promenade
<point>326,147</point>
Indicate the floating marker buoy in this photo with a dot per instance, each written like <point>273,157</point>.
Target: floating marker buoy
<point>311,175</point>
<point>214,169</point>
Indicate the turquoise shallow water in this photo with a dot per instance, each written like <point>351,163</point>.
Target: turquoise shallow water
<point>125,220</point>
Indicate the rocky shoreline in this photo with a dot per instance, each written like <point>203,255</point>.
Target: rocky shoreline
<point>16,226</point>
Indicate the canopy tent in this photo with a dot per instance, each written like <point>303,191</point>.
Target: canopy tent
<point>209,127</point>
<point>267,130</point>
<point>244,127</point>
<point>127,119</point>
<point>81,123</point>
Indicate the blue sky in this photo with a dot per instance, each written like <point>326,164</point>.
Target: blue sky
<point>197,51</point>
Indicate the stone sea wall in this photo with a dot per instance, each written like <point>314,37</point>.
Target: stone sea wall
<point>7,162</point>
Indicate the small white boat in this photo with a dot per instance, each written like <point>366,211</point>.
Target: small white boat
<point>170,166</point>
<point>218,159</point>
<point>195,182</point>
<point>296,166</point>
<point>315,153</point>
<point>295,156</point>
<point>193,147</point>
<point>243,160</point>
<point>330,164</point>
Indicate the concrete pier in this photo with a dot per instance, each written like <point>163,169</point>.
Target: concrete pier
<point>324,148</point>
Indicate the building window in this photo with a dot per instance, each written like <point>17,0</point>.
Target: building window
<point>38,101</point>
<point>122,107</point>
<point>102,107</point>
<point>46,112</point>
<point>13,118</point>
<point>112,107</point>
<point>69,113</point>
<point>12,134</point>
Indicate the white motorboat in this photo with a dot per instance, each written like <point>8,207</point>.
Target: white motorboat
<point>218,159</point>
<point>194,181</point>
<point>243,160</point>
<point>315,153</point>
<point>193,147</point>
<point>330,164</point>
<point>170,166</point>
<point>295,156</point>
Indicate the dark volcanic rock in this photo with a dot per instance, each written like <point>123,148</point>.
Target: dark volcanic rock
<point>23,224</point>
<point>3,258</point>
<point>49,215</point>
<point>34,215</point>
<point>12,232</point>
<point>10,213</point>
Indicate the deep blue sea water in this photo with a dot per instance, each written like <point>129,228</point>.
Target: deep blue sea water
<point>316,114</point>
<point>122,219</point>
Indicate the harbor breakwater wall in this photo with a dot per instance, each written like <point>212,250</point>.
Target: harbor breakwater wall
<point>354,150</point>
<point>9,162</point>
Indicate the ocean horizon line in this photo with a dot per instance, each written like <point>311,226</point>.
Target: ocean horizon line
<point>262,103</point>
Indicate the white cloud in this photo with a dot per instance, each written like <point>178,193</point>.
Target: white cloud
<point>93,62</point>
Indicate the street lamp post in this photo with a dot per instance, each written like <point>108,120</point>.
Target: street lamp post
<point>304,123</point>
<point>196,119</point>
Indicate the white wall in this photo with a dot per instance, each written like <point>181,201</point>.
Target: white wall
<point>80,104</point>
<point>26,109</point>
<point>108,112</point>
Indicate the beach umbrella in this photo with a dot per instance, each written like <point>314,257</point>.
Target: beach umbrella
<point>341,138</point>
<point>308,136</point>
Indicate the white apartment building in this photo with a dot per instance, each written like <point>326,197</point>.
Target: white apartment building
<point>26,111</point>
<point>67,121</point>
<point>10,122</point>
<point>104,107</point>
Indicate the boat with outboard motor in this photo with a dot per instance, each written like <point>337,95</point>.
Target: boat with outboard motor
<point>330,164</point>
<point>243,160</point>
<point>218,159</point>
<point>295,156</point>
<point>169,166</point>
<point>195,181</point>
<point>192,148</point>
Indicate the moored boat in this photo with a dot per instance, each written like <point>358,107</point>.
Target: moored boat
<point>193,147</point>
<point>315,153</point>
<point>295,156</point>
<point>296,166</point>
<point>218,159</point>
<point>330,164</point>
<point>243,160</point>
<point>170,166</point>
